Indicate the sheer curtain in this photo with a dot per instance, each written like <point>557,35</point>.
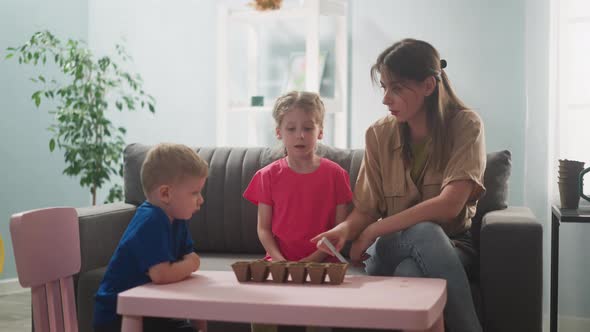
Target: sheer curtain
<point>569,127</point>
<point>571,121</point>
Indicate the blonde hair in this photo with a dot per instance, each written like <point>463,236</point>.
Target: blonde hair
<point>168,163</point>
<point>412,59</point>
<point>309,102</point>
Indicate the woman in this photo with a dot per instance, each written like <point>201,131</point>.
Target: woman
<point>420,180</point>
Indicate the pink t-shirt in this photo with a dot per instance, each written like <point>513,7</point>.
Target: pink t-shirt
<point>303,205</point>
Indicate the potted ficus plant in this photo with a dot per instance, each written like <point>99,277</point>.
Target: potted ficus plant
<point>89,90</point>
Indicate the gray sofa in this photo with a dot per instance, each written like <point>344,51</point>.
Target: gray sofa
<point>506,282</point>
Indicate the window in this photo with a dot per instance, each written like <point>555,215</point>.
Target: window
<point>573,79</point>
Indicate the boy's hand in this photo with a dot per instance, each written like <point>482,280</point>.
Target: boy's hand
<point>194,259</point>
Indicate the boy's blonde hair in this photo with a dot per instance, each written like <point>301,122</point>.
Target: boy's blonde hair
<point>168,163</point>
<point>309,102</point>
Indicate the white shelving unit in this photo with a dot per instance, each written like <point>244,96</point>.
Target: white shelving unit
<point>309,12</point>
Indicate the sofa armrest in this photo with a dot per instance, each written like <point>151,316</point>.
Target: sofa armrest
<point>511,270</point>
<point>101,228</point>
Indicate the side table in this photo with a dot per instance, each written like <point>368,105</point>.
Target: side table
<point>559,215</point>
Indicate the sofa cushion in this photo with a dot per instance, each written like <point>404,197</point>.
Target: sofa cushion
<point>496,176</point>
<point>498,168</point>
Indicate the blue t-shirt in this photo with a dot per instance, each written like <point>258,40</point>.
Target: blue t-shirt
<point>150,239</point>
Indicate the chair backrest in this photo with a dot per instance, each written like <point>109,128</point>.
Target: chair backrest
<point>46,245</point>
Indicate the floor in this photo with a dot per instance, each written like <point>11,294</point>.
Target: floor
<point>15,312</point>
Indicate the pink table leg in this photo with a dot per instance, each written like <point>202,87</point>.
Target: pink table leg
<point>132,324</point>
<point>199,325</point>
<point>438,326</point>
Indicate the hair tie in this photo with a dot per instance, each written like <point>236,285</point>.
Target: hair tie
<point>443,63</point>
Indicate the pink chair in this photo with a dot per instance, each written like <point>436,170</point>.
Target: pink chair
<point>46,246</point>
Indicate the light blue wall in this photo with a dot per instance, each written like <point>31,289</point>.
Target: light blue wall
<point>31,176</point>
<point>173,47</point>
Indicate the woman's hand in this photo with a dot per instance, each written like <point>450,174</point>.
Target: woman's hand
<point>337,236</point>
<point>360,245</point>
<point>317,256</point>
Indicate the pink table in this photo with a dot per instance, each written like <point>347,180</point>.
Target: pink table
<point>414,304</point>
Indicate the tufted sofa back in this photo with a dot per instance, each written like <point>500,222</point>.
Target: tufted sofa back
<point>226,222</point>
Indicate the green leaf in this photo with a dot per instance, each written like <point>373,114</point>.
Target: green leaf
<point>9,55</point>
<point>51,145</point>
<point>37,97</point>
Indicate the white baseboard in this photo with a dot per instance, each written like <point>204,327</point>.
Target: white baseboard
<point>569,323</point>
<point>11,286</point>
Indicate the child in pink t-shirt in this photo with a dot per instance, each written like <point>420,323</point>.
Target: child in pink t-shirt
<point>302,194</point>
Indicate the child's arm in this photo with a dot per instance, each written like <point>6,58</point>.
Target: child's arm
<point>320,255</point>
<point>166,272</point>
<point>341,213</point>
<point>265,232</point>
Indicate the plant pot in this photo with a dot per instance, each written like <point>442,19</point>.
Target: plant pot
<point>259,270</point>
<point>278,271</point>
<point>571,163</point>
<point>317,272</point>
<point>569,174</point>
<point>568,180</point>
<point>242,271</point>
<point>569,195</point>
<point>336,272</point>
<point>570,168</point>
<point>298,272</point>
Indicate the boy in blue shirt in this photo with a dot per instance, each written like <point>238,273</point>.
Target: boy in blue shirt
<point>157,246</point>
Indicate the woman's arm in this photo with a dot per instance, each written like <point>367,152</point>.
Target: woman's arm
<point>348,229</point>
<point>440,209</point>
<point>320,255</point>
<point>264,230</point>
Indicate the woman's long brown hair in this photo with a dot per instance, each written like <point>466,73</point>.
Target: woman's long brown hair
<point>416,60</point>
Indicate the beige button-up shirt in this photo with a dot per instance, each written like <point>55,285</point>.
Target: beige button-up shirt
<point>384,186</point>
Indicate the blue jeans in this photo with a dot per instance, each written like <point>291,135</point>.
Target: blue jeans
<point>424,250</point>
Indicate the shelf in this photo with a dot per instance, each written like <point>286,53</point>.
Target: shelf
<point>251,23</point>
<point>331,105</point>
<point>326,8</point>
<point>250,109</point>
